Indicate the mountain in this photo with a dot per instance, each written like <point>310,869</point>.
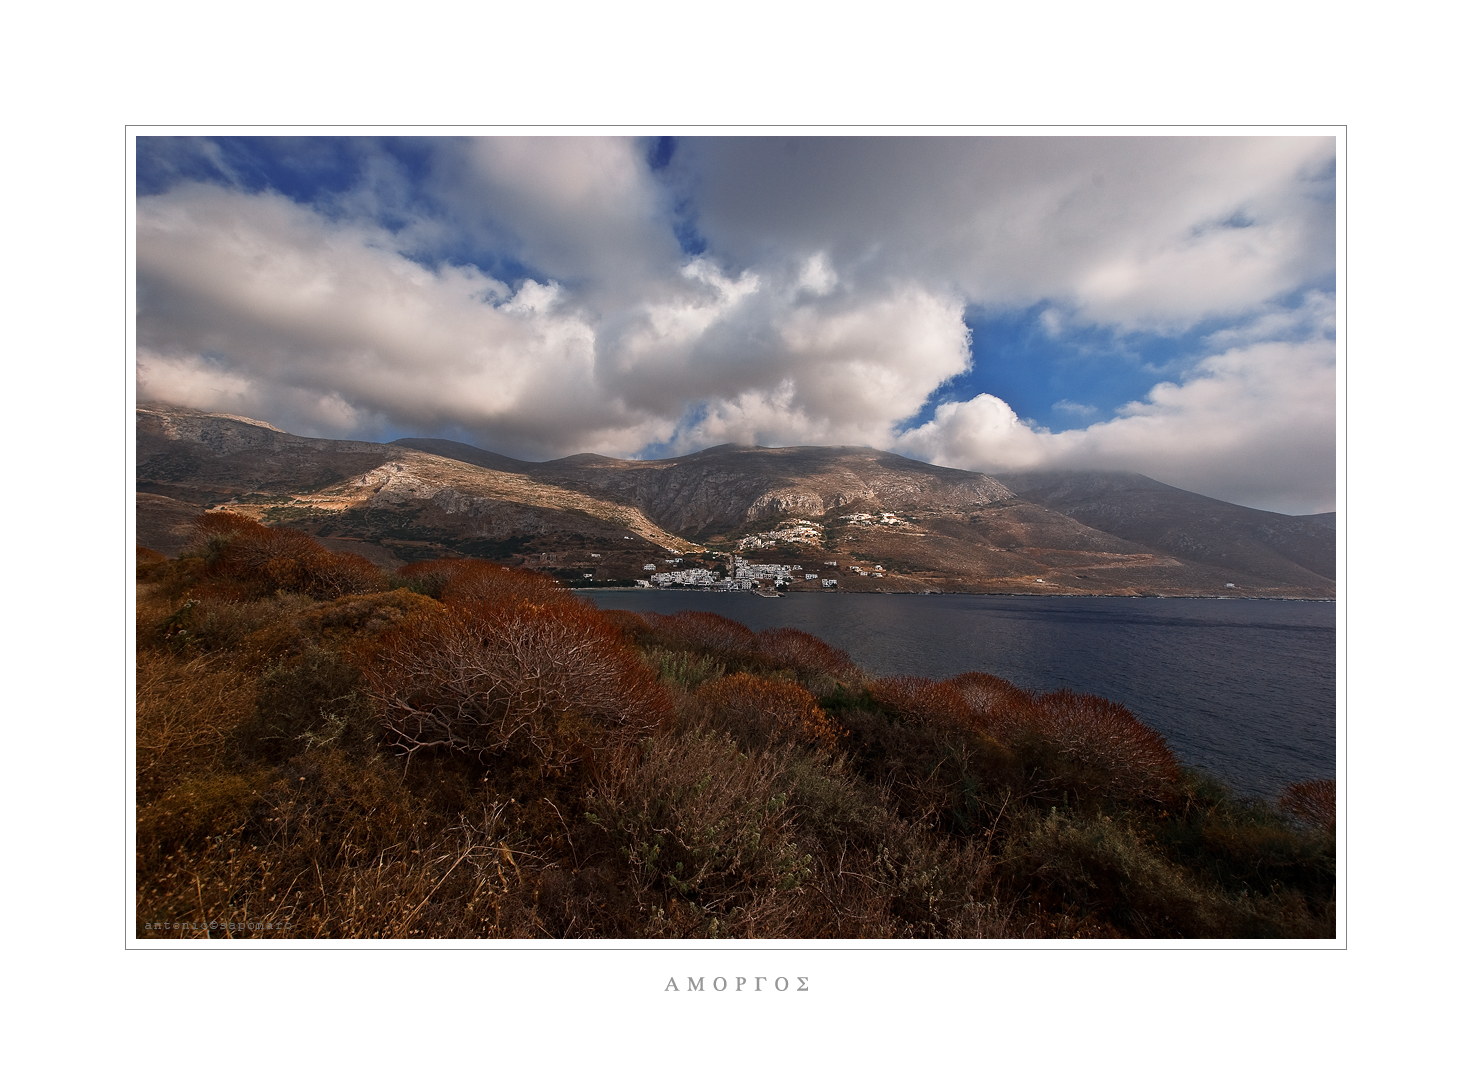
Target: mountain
<point>388,502</point>
<point>1188,525</point>
<point>730,486</point>
<point>930,528</point>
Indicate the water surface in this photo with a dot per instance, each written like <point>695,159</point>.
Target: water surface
<point>1244,689</point>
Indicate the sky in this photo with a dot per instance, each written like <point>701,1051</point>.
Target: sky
<point>1154,304</point>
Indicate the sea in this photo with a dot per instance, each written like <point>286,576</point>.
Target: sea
<point>1243,689</point>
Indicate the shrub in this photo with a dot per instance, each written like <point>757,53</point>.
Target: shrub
<point>364,616</point>
<point>788,647</point>
<point>547,683</point>
<point>991,698</point>
<point>469,581</point>
<point>259,560</point>
<point>262,628</point>
<point>925,701</point>
<point>708,834</point>
<point>705,631</point>
<point>633,627</point>
<point>1311,801</point>
<point>186,709</point>
<point>943,768</point>
<point>149,565</point>
<point>763,711</point>
<point>312,700</point>
<point>1105,748</point>
<point>1098,876</point>
<point>685,669</point>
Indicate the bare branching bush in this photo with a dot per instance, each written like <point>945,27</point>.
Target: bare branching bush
<point>1311,801</point>
<point>991,698</point>
<point>763,711</point>
<point>553,683</point>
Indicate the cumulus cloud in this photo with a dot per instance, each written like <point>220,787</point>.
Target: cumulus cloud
<point>1134,232</point>
<point>1252,425</point>
<point>531,295</point>
<point>256,303</point>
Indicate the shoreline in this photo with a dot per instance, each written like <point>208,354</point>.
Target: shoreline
<point>953,593</point>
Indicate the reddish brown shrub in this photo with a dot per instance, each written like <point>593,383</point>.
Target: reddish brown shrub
<point>991,698</point>
<point>1118,754</point>
<point>1311,800</point>
<point>469,581</point>
<point>259,560</point>
<point>791,648</point>
<point>550,683</point>
<point>924,701</point>
<point>762,711</point>
<point>631,626</point>
<point>706,631</point>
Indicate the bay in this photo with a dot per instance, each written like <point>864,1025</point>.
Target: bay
<point>1242,689</point>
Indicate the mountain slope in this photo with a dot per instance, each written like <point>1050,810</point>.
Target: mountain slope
<point>412,503</point>
<point>931,528</point>
<point>729,485</point>
<point>1188,525</point>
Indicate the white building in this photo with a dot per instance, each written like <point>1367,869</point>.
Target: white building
<point>742,570</point>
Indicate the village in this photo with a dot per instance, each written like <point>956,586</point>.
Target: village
<point>718,570</point>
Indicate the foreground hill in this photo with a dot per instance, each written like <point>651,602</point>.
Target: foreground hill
<point>909,525</point>
<point>461,750</point>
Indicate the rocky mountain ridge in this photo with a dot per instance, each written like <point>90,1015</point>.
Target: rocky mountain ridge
<point>730,485</point>
<point>909,525</point>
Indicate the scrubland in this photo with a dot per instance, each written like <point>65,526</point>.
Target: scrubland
<point>461,750</point>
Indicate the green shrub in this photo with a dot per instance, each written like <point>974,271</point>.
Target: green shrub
<point>309,701</point>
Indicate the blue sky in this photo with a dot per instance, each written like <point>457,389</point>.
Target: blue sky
<point>1158,304</point>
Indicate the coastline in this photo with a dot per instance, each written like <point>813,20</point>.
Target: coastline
<point>957,593</point>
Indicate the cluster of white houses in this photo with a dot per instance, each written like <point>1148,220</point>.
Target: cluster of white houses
<point>796,531</point>
<point>744,576</point>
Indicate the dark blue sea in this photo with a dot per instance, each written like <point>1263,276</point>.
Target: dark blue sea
<point>1243,689</point>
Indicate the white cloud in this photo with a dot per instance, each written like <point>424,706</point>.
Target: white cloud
<point>828,307</point>
<point>1252,425</point>
<point>1131,232</point>
<point>326,327</point>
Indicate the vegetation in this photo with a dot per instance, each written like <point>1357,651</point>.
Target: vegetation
<point>466,750</point>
